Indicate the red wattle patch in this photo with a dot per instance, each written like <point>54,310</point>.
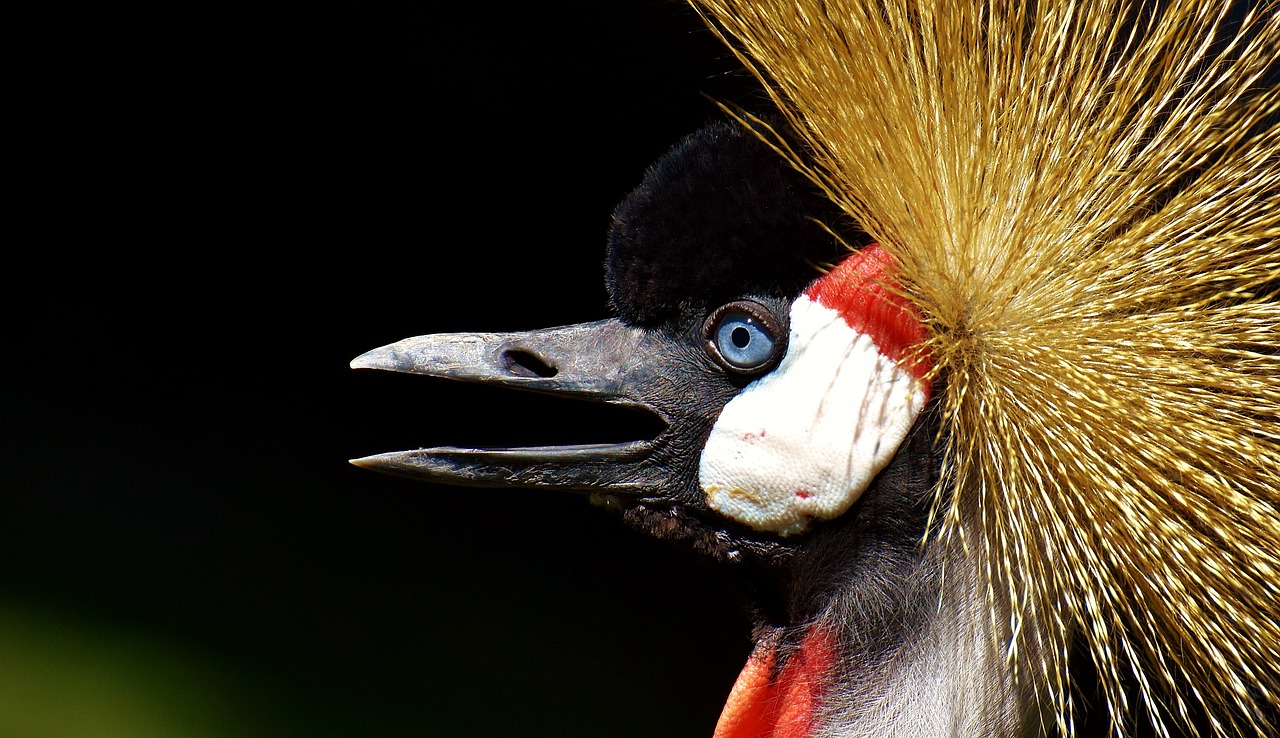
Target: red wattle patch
<point>767,703</point>
<point>858,288</point>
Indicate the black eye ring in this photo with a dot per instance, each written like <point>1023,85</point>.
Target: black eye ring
<point>744,337</point>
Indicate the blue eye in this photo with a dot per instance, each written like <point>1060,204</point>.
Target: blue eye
<point>742,337</point>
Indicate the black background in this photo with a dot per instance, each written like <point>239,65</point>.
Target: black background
<point>217,209</point>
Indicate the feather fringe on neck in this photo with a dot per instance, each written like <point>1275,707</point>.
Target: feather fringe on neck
<point>1082,197</point>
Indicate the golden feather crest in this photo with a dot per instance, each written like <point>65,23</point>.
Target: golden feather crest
<point>1083,199</point>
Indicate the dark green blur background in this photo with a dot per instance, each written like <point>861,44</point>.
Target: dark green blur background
<point>215,209</point>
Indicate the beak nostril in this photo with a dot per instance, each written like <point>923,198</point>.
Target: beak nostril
<point>525,364</point>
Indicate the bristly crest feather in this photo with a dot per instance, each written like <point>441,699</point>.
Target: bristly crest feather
<point>1083,200</point>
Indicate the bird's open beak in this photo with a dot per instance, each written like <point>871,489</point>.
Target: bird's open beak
<point>601,361</point>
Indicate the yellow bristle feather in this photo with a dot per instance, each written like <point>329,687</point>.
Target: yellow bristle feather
<point>1083,198</point>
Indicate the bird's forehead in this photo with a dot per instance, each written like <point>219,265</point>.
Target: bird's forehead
<point>720,216</point>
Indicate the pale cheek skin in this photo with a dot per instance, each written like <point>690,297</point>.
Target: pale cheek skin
<point>803,442</point>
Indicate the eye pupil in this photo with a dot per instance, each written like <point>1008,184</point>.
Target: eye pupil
<point>741,337</point>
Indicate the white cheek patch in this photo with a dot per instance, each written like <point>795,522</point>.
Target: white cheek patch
<point>803,442</point>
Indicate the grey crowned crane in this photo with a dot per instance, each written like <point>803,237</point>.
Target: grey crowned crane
<point>969,356</point>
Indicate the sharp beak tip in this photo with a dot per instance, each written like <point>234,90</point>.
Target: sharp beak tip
<point>368,360</point>
<point>376,462</point>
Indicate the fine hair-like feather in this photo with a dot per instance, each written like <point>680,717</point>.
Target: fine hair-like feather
<point>1082,199</point>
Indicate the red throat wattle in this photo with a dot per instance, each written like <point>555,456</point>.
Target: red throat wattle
<point>772,702</point>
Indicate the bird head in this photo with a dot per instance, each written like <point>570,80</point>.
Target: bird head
<point>768,336</point>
